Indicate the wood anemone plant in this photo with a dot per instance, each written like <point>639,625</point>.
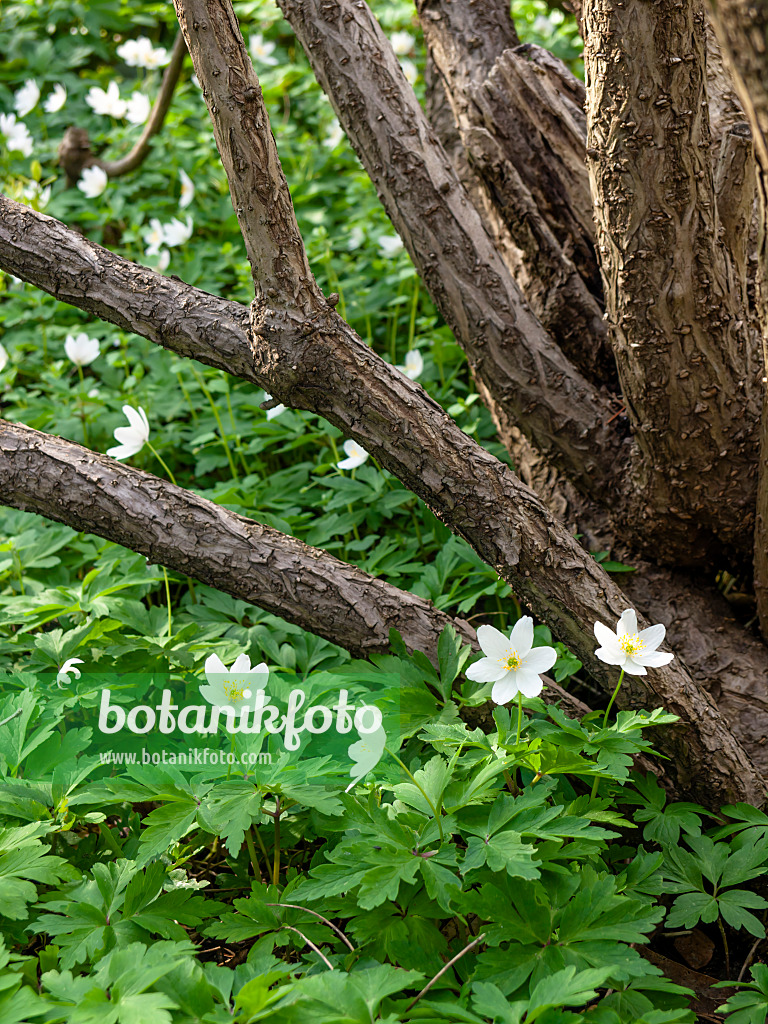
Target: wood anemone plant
<point>597,271</point>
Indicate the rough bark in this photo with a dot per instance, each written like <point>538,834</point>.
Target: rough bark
<point>520,371</point>
<point>176,528</point>
<point>680,335</point>
<point>499,112</point>
<point>743,31</point>
<point>321,366</point>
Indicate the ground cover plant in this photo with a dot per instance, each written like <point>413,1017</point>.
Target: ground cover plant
<point>495,851</point>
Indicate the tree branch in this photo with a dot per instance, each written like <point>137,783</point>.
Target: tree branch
<point>320,365</point>
<point>260,195</point>
<point>521,373</point>
<point>681,336</point>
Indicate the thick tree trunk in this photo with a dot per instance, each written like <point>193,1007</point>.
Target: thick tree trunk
<point>680,333</point>
<point>743,30</point>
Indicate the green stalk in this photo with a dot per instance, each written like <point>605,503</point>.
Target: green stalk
<point>170,475</point>
<point>429,802</point>
<point>596,783</point>
<point>222,432</point>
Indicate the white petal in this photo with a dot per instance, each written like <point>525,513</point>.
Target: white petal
<point>505,689</point>
<point>540,659</point>
<point>242,663</point>
<point>627,623</point>
<point>522,636</point>
<point>122,451</point>
<point>487,670</point>
<point>605,636</point>
<point>654,659</point>
<point>529,684</point>
<point>611,656</point>
<point>633,669</point>
<point>653,636</point>
<point>214,664</point>
<point>493,643</point>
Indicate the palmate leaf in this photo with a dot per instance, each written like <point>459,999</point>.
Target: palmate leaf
<point>25,861</point>
<point>750,1005</point>
<point>502,852</point>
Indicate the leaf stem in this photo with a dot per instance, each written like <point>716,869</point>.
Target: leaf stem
<point>429,802</point>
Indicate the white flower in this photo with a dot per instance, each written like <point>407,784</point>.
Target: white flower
<point>153,57</point>
<point>56,100</point>
<point>81,349</point>
<point>261,51</point>
<point>356,238</point>
<point>366,754</point>
<point>402,43</point>
<point>512,664</point>
<point>187,189</point>
<point>26,98</point>
<point>631,651</point>
<point>334,136</point>
<point>133,437</point>
<point>177,233</point>
<point>271,413</point>
<point>139,53</point>
<point>163,259</point>
<point>410,71</point>
<point>16,133</point>
<point>3,358</point>
<point>67,669</point>
<point>93,181</point>
<point>107,103</point>
<point>37,195</point>
<point>137,108</point>
<point>356,456</point>
<point>130,52</point>
<point>154,238</point>
<point>414,364</point>
<point>229,687</point>
<point>390,244</point>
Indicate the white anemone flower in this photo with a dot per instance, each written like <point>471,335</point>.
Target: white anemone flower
<point>410,71</point>
<point>56,100</point>
<point>81,349</point>
<point>261,50</point>
<point>26,99</point>
<point>402,43</point>
<point>130,52</point>
<point>106,102</point>
<point>163,260</point>
<point>631,650</point>
<point>366,754</point>
<point>133,437</point>
<point>38,196</point>
<point>93,181</point>
<point>414,364</point>
<point>231,687</point>
<point>154,57</point>
<point>334,136</point>
<point>390,245</point>
<point>356,456</point>
<point>271,413</point>
<point>187,189</point>
<point>137,108</point>
<point>511,663</point>
<point>69,668</point>
<point>177,233</point>
<point>154,238</point>
<point>3,358</point>
<point>16,134</point>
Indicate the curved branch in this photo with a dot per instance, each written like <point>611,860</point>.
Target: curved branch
<point>320,365</point>
<point>75,151</point>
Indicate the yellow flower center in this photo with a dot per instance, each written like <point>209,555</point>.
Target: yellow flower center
<point>631,644</point>
<point>513,662</point>
<point>233,691</point>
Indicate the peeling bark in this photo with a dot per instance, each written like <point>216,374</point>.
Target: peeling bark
<point>680,334</point>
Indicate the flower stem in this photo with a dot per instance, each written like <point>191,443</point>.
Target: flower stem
<point>596,782</point>
<point>169,474</point>
<point>81,403</point>
<point>252,854</point>
<point>429,802</point>
<point>519,715</point>
<point>222,432</point>
<point>168,600</point>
